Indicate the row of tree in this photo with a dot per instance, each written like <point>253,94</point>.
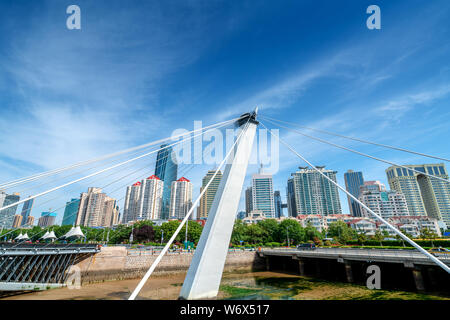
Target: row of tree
<point>288,231</point>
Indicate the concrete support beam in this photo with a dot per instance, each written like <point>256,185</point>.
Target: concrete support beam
<point>267,264</point>
<point>349,272</point>
<point>418,279</point>
<point>205,272</point>
<point>318,268</point>
<point>301,267</point>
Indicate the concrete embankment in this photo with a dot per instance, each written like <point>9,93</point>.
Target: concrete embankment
<point>117,263</point>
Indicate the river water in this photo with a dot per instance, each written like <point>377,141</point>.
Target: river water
<point>246,286</point>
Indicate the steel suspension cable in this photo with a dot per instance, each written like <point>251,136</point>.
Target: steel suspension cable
<point>51,172</point>
<point>96,173</point>
<point>394,229</point>
<point>361,153</point>
<point>359,140</point>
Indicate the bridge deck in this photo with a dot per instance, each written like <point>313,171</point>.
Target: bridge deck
<point>39,266</point>
<point>356,254</point>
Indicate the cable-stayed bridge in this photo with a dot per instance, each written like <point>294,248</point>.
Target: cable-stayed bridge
<point>205,272</point>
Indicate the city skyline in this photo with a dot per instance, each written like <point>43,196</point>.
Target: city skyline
<point>395,82</point>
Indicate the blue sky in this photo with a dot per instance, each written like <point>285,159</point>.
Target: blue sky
<point>138,70</point>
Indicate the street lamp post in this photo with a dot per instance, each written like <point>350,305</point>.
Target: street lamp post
<point>287,232</point>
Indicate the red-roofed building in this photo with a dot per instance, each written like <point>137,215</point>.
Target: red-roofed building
<point>180,198</point>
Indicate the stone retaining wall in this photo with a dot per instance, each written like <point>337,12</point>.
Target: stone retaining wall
<point>116,263</point>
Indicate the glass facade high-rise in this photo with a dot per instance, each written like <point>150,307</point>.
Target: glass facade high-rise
<point>262,194</point>
<point>248,200</point>
<point>277,202</point>
<point>166,169</point>
<point>353,182</point>
<point>7,215</point>
<point>26,210</point>
<point>424,195</point>
<point>70,212</point>
<point>310,193</point>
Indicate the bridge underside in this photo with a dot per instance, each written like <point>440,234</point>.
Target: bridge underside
<point>39,267</point>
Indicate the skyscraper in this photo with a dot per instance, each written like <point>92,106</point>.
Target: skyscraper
<point>150,202</point>
<point>262,194</point>
<point>353,182</point>
<point>26,210</point>
<point>7,215</point>
<point>17,221</point>
<point>70,212</point>
<point>95,209</point>
<point>277,203</point>
<point>310,193</point>
<point>290,197</point>
<point>248,200</point>
<point>47,219</point>
<point>385,203</point>
<point>166,169</point>
<point>424,195</point>
<point>208,197</point>
<point>30,221</point>
<point>181,198</point>
<point>131,206</point>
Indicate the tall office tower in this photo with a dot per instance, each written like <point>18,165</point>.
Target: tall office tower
<point>290,198</point>
<point>115,216</point>
<point>150,199</point>
<point>17,221</point>
<point>70,212</point>
<point>353,181</point>
<point>7,215</point>
<point>109,208</point>
<point>166,169</point>
<point>131,205</point>
<point>26,210</point>
<point>424,195</point>
<point>248,200</point>
<point>95,209</point>
<point>30,221</point>
<point>385,203</point>
<point>208,197</point>
<point>262,194</point>
<point>47,219</point>
<point>181,198</point>
<point>277,203</point>
<point>312,193</point>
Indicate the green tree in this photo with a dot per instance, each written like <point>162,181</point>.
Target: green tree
<point>120,234</point>
<point>312,233</point>
<point>362,237</point>
<point>169,229</point>
<point>238,232</point>
<point>194,232</point>
<point>341,231</point>
<point>291,228</point>
<point>379,237</point>
<point>428,234</point>
<point>254,234</point>
<point>270,227</point>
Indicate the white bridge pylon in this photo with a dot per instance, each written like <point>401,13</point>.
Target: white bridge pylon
<point>205,271</point>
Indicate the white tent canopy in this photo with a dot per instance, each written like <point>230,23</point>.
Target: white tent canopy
<point>68,234</point>
<point>25,237</point>
<point>19,237</point>
<point>45,235</point>
<point>74,232</point>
